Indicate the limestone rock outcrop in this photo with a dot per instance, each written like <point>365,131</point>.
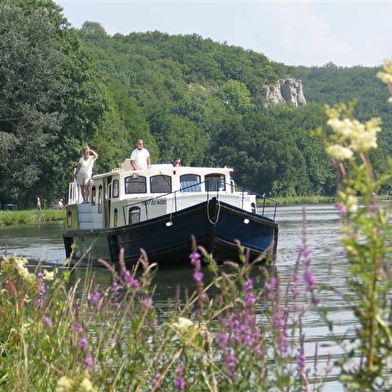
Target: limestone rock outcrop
<point>287,91</point>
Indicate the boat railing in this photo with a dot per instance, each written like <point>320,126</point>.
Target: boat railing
<point>264,205</point>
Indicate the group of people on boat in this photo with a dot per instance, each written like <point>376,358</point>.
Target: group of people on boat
<point>140,159</point>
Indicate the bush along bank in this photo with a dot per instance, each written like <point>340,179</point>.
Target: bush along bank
<point>8,218</point>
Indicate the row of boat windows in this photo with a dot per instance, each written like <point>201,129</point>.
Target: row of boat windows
<point>163,184</point>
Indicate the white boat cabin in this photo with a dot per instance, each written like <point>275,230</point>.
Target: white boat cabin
<point>125,196</point>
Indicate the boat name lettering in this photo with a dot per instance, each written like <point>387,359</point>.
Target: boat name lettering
<point>156,202</point>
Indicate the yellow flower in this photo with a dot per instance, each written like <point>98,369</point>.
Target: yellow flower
<point>339,152</point>
<point>87,385</point>
<point>48,275</point>
<point>64,384</point>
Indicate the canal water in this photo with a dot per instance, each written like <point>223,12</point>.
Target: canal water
<point>318,225</point>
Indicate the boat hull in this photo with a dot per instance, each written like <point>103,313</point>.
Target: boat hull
<point>167,240</point>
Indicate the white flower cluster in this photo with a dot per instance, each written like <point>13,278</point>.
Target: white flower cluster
<point>386,76</point>
<point>353,135</point>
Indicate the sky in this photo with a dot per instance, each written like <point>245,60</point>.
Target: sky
<point>310,33</point>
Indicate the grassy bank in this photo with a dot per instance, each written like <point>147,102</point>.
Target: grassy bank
<point>8,218</point>
<point>295,200</point>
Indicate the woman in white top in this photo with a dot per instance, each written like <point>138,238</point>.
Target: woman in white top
<point>140,157</point>
<point>84,171</point>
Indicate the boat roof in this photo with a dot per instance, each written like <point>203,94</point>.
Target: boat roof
<point>164,168</point>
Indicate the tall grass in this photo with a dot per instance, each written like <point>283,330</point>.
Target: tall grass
<point>8,218</point>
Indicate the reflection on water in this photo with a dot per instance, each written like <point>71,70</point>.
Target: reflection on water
<point>320,230</point>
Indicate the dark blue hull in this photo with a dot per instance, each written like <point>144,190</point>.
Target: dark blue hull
<point>215,225</point>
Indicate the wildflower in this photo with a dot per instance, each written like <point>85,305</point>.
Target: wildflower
<point>87,385</point>
<point>342,210</point>
<point>250,299</point>
<point>198,276</point>
<point>230,363</point>
<point>129,279</point>
<point>195,259</point>
<point>94,299</point>
<point>180,383</point>
<point>339,153</point>
<point>156,382</point>
<point>147,302</point>
<point>272,287</point>
<point>115,287</point>
<point>78,328</point>
<point>180,379</point>
<point>309,279</point>
<point>47,321</point>
<point>386,76</point>
<point>48,275</point>
<point>82,343</point>
<point>64,384</point>
<point>89,362</point>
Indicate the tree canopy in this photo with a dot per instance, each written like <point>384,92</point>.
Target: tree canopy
<point>62,88</point>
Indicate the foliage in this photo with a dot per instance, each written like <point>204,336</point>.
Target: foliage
<point>115,338</point>
<point>186,96</point>
<point>9,218</point>
<point>366,237</point>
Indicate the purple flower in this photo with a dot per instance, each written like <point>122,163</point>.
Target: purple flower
<point>95,297</point>
<point>180,383</point>
<point>195,259</point>
<point>180,379</point>
<point>78,328</point>
<point>89,362</point>
<point>82,343</point>
<point>115,287</point>
<point>46,320</point>
<point>198,276</point>
<point>222,339</point>
<point>230,364</point>
<point>156,382</point>
<point>309,279</point>
<point>146,301</point>
<point>342,210</point>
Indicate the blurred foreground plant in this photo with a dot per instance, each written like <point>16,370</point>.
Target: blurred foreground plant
<point>366,237</point>
<point>58,333</point>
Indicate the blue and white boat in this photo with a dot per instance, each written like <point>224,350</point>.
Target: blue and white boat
<point>160,208</point>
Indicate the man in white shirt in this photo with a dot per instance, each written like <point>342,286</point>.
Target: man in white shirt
<point>140,157</point>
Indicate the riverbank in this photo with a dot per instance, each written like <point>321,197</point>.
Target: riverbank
<point>8,218</point>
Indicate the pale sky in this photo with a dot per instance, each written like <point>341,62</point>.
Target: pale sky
<point>310,33</point>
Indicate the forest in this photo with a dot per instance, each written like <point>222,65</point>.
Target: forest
<point>62,88</point>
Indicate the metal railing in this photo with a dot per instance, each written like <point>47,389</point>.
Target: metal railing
<point>262,202</point>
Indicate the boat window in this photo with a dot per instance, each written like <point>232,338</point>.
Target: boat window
<point>215,182</point>
<point>115,217</point>
<point>190,183</point>
<point>160,184</point>
<point>100,191</point>
<point>115,188</point>
<point>135,184</point>
<point>134,215</point>
<point>69,219</point>
<point>93,195</point>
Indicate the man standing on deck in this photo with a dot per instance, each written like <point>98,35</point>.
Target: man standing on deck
<point>140,157</point>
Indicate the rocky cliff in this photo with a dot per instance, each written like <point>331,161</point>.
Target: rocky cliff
<point>287,91</point>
